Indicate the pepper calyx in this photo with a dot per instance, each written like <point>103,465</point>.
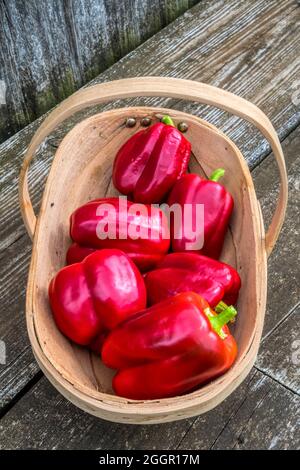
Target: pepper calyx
<point>168,121</point>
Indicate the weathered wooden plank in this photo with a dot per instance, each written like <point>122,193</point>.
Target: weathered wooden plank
<point>20,366</point>
<point>184,58</point>
<point>11,154</point>
<point>49,421</point>
<point>43,419</point>
<point>68,427</point>
<point>268,418</point>
<point>284,262</point>
<point>246,47</point>
<point>17,376</point>
<point>280,352</point>
<point>49,49</point>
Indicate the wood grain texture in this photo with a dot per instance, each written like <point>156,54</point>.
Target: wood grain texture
<point>279,355</point>
<point>20,365</point>
<point>49,49</point>
<point>267,418</point>
<point>168,53</point>
<point>43,419</point>
<point>264,53</point>
<point>284,263</point>
<point>247,47</point>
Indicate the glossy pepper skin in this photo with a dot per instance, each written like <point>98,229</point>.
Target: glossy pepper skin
<point>170,348</point>
<point>218,206</point>
<point>148,164</point>
<point>183,272</point>
<point>151,228</point>
<point>90,298</point>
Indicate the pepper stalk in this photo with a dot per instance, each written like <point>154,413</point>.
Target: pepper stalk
<point>217,174</point>
<point>225,315</point>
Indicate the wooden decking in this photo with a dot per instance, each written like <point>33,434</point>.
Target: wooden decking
<point>247,47</point>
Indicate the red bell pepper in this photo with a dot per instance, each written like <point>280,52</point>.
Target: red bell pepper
<point>170,348</point>
<point>143,236</point>
<point>90,298</point>
<point>148,164</point>
<point>144,261</point>
<point>77,253</point>
<point>218,206</point>
<point>183,272</point>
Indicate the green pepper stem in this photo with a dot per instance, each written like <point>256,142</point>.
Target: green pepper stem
<point>222,319</point>
<point>217,174</point>
<point>167,120</point>
<point>220,307</point>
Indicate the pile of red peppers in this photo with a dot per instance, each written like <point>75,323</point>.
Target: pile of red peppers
<point>153,308</point>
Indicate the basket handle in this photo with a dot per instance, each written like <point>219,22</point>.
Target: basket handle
<point>167,87</point>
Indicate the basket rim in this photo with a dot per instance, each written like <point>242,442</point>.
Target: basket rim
<point>119,405</point>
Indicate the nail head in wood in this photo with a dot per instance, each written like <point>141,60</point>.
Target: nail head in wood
<point>182,126</point>
<point>130,122</point>
<point>146,121</point>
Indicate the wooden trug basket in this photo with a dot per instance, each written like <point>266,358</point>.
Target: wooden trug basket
<point>81,170</point>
